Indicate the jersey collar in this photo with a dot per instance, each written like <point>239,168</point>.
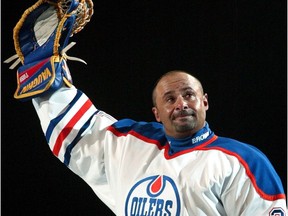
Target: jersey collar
<point>196,139</point>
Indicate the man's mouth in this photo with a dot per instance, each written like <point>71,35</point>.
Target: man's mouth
<point>183,115</point>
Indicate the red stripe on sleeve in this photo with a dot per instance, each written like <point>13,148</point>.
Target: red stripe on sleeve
<point>67,129</point>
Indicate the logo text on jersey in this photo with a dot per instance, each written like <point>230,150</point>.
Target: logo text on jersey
<point>154,195</point>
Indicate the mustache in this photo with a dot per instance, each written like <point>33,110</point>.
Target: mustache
<point>183,113</point>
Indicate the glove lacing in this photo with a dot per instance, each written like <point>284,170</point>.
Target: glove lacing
<point>63,53</point>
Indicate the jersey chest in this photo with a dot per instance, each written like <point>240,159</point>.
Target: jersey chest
<point>161,185</point>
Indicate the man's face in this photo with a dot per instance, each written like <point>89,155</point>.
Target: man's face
<point>180,104</point>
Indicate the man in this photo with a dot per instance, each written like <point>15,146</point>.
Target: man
<point>175,166</point>
<point>181,108</point>
<point>178,168</point>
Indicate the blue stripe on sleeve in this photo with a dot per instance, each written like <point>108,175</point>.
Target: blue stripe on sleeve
<point>69,148</point>
<point>56,120</point>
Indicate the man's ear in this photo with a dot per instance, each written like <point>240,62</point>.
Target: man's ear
<point>155,112</point>
<point>205,101</point>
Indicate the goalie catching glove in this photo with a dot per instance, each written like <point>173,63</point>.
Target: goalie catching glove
<point>41,39</point>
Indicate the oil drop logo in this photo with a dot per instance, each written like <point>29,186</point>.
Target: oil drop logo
<point>153,196</point>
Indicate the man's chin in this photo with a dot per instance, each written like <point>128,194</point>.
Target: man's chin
<point>184,126</point>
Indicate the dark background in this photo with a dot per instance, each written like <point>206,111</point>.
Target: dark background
<point>236,48</point>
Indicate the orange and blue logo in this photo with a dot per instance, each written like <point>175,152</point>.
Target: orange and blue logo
<point>154,195</point>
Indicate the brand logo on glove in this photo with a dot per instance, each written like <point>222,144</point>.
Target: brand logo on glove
<point>23,77</point>
<point>154,195</point>
<point>37,81</point>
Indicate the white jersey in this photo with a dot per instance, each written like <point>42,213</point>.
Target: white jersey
<point>136,170</point>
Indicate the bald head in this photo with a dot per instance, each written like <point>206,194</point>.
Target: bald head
<point>171,74</point>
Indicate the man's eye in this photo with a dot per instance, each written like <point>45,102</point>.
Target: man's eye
<point>169,99</point>
<point>190,96</point>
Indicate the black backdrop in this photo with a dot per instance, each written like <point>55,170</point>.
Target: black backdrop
<point>237,49</point>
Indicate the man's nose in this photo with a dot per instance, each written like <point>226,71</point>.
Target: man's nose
<point>181,104</point>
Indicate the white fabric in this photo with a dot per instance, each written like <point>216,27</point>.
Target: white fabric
<point>208,182</point>
<point>45,25</point>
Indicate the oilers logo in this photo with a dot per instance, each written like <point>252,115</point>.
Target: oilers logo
<point>153,196</point>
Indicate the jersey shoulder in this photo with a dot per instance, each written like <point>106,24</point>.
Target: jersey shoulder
<point>146,131</point>
<point>257,165</point>
<point>239,149</point>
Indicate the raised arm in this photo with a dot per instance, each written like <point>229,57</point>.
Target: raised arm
<point>73,127</point>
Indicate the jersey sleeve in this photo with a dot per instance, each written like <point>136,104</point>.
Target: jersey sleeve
<point>253,187</point>
<point>242,197</point>
<point>75,131</point>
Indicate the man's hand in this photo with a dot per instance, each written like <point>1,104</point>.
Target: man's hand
<point>41,39</point>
